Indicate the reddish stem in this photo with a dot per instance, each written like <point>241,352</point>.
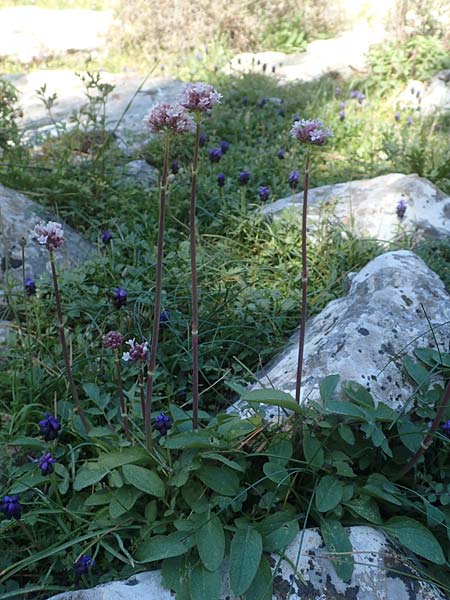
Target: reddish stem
<point>301,344</point>
<point>65,353</point>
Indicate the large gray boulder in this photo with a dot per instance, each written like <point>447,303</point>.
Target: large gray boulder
<point>430,98</point>
<point>382,572</point>
<point>19,215</point>
<point>29,33</point>
<point>365,335</point>
<point>368,207</point>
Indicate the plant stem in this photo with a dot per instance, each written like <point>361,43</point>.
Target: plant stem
<point>301,343</point>
<point>27,319</point>
<point>428,440</point>
<point>123,408</point>
<point>62,337</point>
<point>158,291</point>
<point>192,233</point>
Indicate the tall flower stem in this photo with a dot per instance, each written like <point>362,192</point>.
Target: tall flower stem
<point>158,291</point>
<point>192,235</point>
<point>428,440</point>
<point>27,316</point>
<point>123,408</point>
<point>65,352</point>
<point>301,343</point>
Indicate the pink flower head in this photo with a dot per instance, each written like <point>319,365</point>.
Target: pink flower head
<point>50,235</point>
<point>169,117</point>
<point>112,340</point>
<point>200,97</point>
<point>311,132</point>
<point>136,352</point>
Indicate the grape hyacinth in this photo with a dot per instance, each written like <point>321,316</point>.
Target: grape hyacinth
<point>293,179</point>
<point>311,132</point>
<point>244,177</point>
<point>264,193</point>
<point>164,317</point>
<point>281,154</point>
<point>169,118</point>
<point>112,340</point>
<point>11,507</point>
<point>30,286</point>
<point>82,565</point>
<point>341,115</point>
<point>137,352</point>
<point>50,235</point>
<point>106,237</point>
<point>397,116</point>
<point>163,423</point>
<point>49,427</point>
<point>224,146</point>
<point>215,154</point>
<point>200,97</point>
<point>400,209</point>
<point>221,179</point>
<point>175,167</point>
<point>120,297</point>
<point>446,427</point>
<point>361,98</point>
<point>46,463</point>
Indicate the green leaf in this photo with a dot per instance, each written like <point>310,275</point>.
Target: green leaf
<point>30,480</point>
<point>220,479</point>
<point>346,434</point>
<point>313,451</point>
<point>365,507</point>
<point>337,541</point>
<point>123,500</point>
<point>347,409</point>
<point>204,584</point>
<point>328,493</point>
<point>355,391</point>
<point>435,517</point>
<point>226,461</point>
<point>378,486</point>
<point>281,537</point>
<point>160,547</point>
<point>194,495</point>
<point>280,451</point>
<point>276,473</point>
<point>410,434</point>
<point>172,571</point>
<point>86,477</point>
<point>273,398</point>
<point>112,460</point>
<point>210,540</point>
<point>418,373</point>
<point>245,555</point>
<point>416,537</point>
<point>261,587</point>
<point>192,439</point>
<point>143,479</point>
<point>327,387</point>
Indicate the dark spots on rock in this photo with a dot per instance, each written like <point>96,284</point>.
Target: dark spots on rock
<point>279,570</point>
<point>389,378</point>
<point>132,581</point>
<point>359,350</point>
<point>339,347</point>
<point>387,348</point>
<point>271,560</point>
<point>363,331</point>
<point>281,588</point>
<point>373,377</point>
<point>11,263</point>
<point>407,300</point>
<point>394,331</point>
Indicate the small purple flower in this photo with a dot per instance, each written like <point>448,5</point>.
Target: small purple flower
<point>49,427</point>
<point>106,237</point>
<point>112,340</point>
<point>412,90</point>
<point>82,565</point>
<point>224,146</point>
<point>221,179</point>
<point>311,132</point>
<point>137,352</point>
<point>244,177</point>
<point>418,94</point>
<point>281,154</point>
<point>120,297</point>
<point>296,118</point>
<point>409,121</point>
<point>164,317</point>
<point>337,92</point>
<point>264,193</point>
<point>200,97</point>
<point>202,139</point>
<point>245,100</point>
<point>169,118</point>
<point>400,209</point>
<point>215,154</point>
<point>11,507</point>
<point>436,127</point>
<point>398,116</point>
<point>361,98</point>
<point>50,235</point>
<point>46,463</point>
<point>354,94</point>
<point>341,115</point>
<point>175,167</point>
<point>163,423</point>
<point>342,105</point>
<point>446,427</point>
<point>262,102</point>
<point>293,179</point>
<point>30,286</point>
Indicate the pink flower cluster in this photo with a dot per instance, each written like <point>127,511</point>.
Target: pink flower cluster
<point>136,352</point>
<point>168,117</point>
<point>50,235</point>
<point>200,97</point>
<point>311,132</point>
<point>112,340</point>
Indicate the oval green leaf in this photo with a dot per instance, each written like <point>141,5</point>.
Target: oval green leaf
<point>245,555</point>
<point>328,493</point>
<point>143,479</point>
<point>210,540</point>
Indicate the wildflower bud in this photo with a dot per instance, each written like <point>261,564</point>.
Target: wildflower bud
<point>106,237</point>
<point>293,179</point>
<point>163,423</point>
<point>264,193</point>
<point>164,317</point>
<point>224,146</point>
<point>341,115</point>
<point>11,507</point>
<point>49,427</point>
<point>120,297</point>
<point>46,463</point>
<point>200,97</point>
<point>281,154</point>
<point>83,564</point>
<point>311,132</point>
<point>175,167</point>
<point>215,154</point>
<point>112,340</point>
<point>221,179</point>
<point>137,352</point>
<point>397,116</point>
<point>202,140</point>
<point>30,286</point>
<point>169,118</point>
<point>400,209</point>
<point>244,178</point>
<point>50,235</point>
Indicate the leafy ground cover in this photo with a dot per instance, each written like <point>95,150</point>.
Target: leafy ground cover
<point>108,507</point>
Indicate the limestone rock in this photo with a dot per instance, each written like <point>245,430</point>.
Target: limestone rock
<point>30,33</point>
<point>19,215</point>
<point>381,572</point>
<point>138,173</point>
<point>431,98</point>
<point>364,336</point>
<point>368,206</point>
